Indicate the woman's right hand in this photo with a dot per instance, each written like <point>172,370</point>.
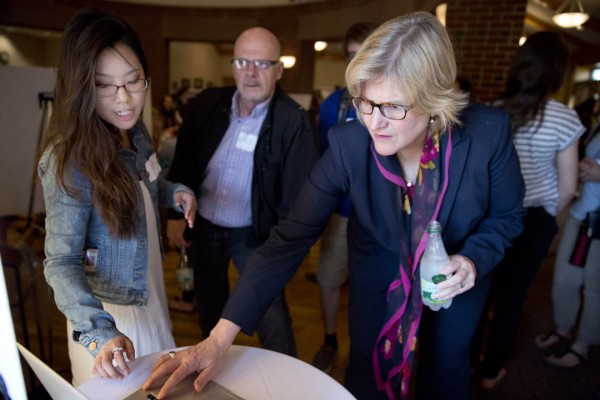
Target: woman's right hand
<point>114,349</point>
<point>206,359</point>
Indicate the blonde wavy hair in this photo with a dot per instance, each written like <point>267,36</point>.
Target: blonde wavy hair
<point>414,54</point>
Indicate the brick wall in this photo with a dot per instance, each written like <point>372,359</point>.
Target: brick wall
<point>486,35</point>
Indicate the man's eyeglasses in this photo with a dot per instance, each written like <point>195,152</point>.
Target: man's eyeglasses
<point>242,63</point>
<point>108,90</point>
<point>388,110</point>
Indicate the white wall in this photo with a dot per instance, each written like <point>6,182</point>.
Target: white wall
<point>26,50</point>
<point>189,60</point>
<point>329,74</point>
<point>21,118</point>
<point>193,60</point>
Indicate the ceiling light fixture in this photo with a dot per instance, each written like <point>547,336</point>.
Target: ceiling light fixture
<point>596,73</point>
<point>288,61</point>
<point>570,17</point>
<point>320,45</point>
<point>522,40</point>
<point>440,12</point>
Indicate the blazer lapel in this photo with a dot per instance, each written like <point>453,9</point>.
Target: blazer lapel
<point>458,159</point>
<point>388,194</point>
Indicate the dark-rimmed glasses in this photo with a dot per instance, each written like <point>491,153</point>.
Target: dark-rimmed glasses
<point>108,90</point>
<point>389,110</point>
<point>242,63</point>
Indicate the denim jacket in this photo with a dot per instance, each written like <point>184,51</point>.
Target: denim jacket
<point>74,225</point>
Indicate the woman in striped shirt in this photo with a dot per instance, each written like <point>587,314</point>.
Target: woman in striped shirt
<point>545,134</point>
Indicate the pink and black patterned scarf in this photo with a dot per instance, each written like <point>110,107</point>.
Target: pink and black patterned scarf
<point>395,347</point>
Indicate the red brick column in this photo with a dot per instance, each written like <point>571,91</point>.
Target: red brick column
<point>486,35</point>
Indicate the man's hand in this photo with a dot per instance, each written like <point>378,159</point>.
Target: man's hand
<point>187,202</point>
<point>206,358</point>
<point>113,349</point>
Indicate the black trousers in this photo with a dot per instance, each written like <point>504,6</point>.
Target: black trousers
<point>210,252</point>
<point>510,285</point>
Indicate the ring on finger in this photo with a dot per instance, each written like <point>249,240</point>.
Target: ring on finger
<point>172,354</point>
<point>118,348</point>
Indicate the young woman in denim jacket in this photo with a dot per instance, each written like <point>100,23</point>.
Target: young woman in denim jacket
<point>102,190</point>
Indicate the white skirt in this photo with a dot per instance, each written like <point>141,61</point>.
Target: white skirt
<point>149,326</point>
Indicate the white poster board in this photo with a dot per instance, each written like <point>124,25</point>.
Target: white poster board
<point>10,367</point>
<point>20,120</point>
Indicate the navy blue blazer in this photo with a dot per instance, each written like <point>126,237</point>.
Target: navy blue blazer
<point>481,214</point>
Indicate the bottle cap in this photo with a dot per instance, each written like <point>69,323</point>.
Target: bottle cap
<point>434,227</point>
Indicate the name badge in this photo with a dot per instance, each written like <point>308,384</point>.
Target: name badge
<point>246,142</point>
<point>152,167</point>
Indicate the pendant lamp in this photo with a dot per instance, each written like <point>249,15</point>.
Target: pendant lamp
<point>570,14</point>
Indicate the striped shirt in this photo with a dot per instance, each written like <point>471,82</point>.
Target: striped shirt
<point>538,145</point>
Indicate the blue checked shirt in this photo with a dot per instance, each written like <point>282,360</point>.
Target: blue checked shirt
<point>224,196</point>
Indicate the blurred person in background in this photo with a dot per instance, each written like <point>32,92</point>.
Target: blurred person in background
<point>545,134</point>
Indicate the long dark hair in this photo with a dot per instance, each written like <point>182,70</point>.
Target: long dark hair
<point>79,138</point>
<point>537,71</point>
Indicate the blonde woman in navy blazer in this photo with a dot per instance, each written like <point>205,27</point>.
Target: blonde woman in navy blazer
<point>417,154</point>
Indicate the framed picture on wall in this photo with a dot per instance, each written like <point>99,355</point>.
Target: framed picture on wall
<point>174,86</point>
<point>198,83</point>
<point>185,83</point>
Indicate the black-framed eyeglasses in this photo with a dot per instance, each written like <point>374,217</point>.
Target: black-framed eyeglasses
<point>388,110</point>
<point>243,63</point>
<point>108,90</point>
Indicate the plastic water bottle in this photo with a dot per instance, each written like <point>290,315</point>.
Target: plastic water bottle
<point>434,259</point>
<point>185,277</point>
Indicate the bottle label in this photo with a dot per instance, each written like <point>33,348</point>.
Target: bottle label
<point>185,279</point>
<point>429,289</point>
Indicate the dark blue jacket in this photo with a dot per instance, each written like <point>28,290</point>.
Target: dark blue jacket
<point>481,214</point>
